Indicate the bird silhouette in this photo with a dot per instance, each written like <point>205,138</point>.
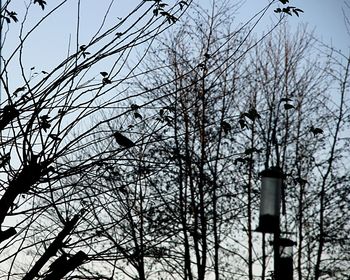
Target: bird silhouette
<point>286,99</point>
<point>18,90</point>
<point>226,126</point>
<point>123,141</point>
<point>316,130</point>
<point>252,114</point>
<point>288,106</point>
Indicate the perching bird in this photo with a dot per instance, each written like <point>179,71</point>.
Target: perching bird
<point>252,114</point>
<point>226,126</point>
<point>18,90</point>
<point>288,106</point>
<point>316,130</point>
<point>286,99</point>
<point>123,141</point>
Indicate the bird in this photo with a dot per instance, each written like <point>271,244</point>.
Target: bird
<point>252,114</point>
<point>18,90</point>
<point>316,130</point>
<point>286,99</point>
<point>122,140</point>
<point>288,106</point>
<point>226,126</point>
<point>82,48</point>
<point>284,1</point>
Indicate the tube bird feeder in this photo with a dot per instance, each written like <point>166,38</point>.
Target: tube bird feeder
<point>270,200</point>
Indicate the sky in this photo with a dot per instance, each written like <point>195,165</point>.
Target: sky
<point>325,17</point>
<point>47,48</point>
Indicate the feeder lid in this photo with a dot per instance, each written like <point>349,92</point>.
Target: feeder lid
<point>285,242</point>
<point>272,172</point>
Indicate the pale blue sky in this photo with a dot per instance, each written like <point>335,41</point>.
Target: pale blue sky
<point>49,46</point>
<point>325,17</point>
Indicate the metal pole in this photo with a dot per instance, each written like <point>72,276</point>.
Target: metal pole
<point>276,255</point>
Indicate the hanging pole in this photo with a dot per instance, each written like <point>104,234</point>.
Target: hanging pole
<point>276,255</point>
<point>269,218</point>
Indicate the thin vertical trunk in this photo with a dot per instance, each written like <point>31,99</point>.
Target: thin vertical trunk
<point>203,218</point>
<point>216,235</point>
<point>183,189</point>
<point>328,172</point>
<point>300,230</point>
<point>250,237</point>
<point>141,258</point>
<point>301,195</point>
<point>263,272</point>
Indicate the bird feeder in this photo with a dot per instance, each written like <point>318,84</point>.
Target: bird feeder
<point>286,258</point>
<point>270,200</point>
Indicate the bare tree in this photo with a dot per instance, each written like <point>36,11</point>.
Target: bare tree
<point>298,113</point>
<point>45,121</point>
<point>216,118</point>
<point>279,109</point>
<point>166,183</point>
